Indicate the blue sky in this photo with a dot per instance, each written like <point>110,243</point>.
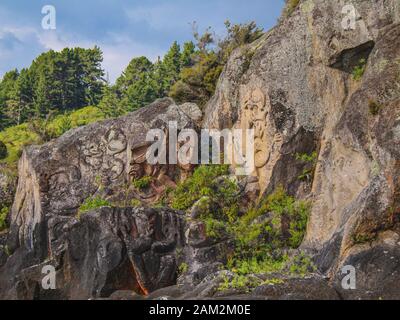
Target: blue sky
<point>123,29</point>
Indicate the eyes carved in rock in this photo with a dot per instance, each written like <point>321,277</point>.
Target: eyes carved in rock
<point>109,254</point>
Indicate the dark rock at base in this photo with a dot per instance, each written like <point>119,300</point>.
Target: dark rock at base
<point>308,288</point>
<point>377,273</point>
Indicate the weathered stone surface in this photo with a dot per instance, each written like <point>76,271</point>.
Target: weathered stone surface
<point>7,186</point>
<point>294,87</point>
<point>98,160</point>
<point>308,288</point>
<point>107,250</point>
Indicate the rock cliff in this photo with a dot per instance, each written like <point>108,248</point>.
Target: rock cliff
<point>296,87</point>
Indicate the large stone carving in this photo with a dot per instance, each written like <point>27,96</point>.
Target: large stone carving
<point>101,155</point>
<point>256,115</point>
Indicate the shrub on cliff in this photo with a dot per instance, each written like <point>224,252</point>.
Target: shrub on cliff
<point>3,150</point>
<point>289,8</point>
<point>201,183</point>
<point>3,218</point>
<point>198,81</point>
<point>92,203</point>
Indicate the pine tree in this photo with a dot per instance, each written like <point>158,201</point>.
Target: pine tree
<point>187,54</point>
<point>136,86</point>
<point>172,65</point>
<point>93,81</point>
<point>7,88</point>
<point>110,104</point>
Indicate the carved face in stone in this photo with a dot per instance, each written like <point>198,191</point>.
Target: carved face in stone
<point>255,114</point>
<point>108,254</point>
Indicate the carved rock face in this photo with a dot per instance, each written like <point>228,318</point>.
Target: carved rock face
<point>99,160</point>
<point>256,114</point>
<point>113,249</point>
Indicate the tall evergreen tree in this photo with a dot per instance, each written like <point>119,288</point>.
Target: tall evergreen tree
<point>188,51</point>
<point>136,86</point>
<point>172,64</point>
<point>110,104</point>
<point>7,87</point>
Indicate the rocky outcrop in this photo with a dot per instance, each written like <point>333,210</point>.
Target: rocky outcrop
<point>325,134</point>
<point>107,250</point>
<point>98,161</point>
<point>295,87</point>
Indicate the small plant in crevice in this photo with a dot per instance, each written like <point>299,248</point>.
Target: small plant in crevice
<point>361,238</point>
<point>359,70</point>
<point>142,183</point>
<point>310,161</point>
<point>301,265</point>
<point>92,203</point>
<point>3,218</point>
<point>135,203</point>
<point>374,107</point>
<point>183,268</point>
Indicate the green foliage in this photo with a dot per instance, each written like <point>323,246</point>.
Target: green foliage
<point>40,130</point>
<point>296,211</point>
<point>197,81</point>
<point>183,268</point>
<point>259,232</point>
<point>135,87</point>
<point>201,183</point>
<point>240,282</point>
<point>310,160</point>
<point>110,105</point>
<point>307,158</point>
<point>246,271</point>
<point>301,265</point>
<point>92,203</point>
<point>56,81</point>
<point>359,70</point>
<point>3,218</point>
<point>3,150</point>
<point>374,107</point>
<point>214,228</point>
<point>15,138</point>
<point>361,238</point>
<point>135,203</point>
<point>142,183</point>
<point>188,51</point>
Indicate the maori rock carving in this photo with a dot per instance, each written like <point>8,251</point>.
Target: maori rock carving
<point>255,115</point>
<point>102,156</point>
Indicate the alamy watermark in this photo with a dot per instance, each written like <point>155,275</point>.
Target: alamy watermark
<point>49,21</point>
<point>230,146</point>
<point>349,281</point>
<point>49,280</point>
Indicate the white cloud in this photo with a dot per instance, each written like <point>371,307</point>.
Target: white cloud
<point>121,49</point>
<point>118,49</point>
